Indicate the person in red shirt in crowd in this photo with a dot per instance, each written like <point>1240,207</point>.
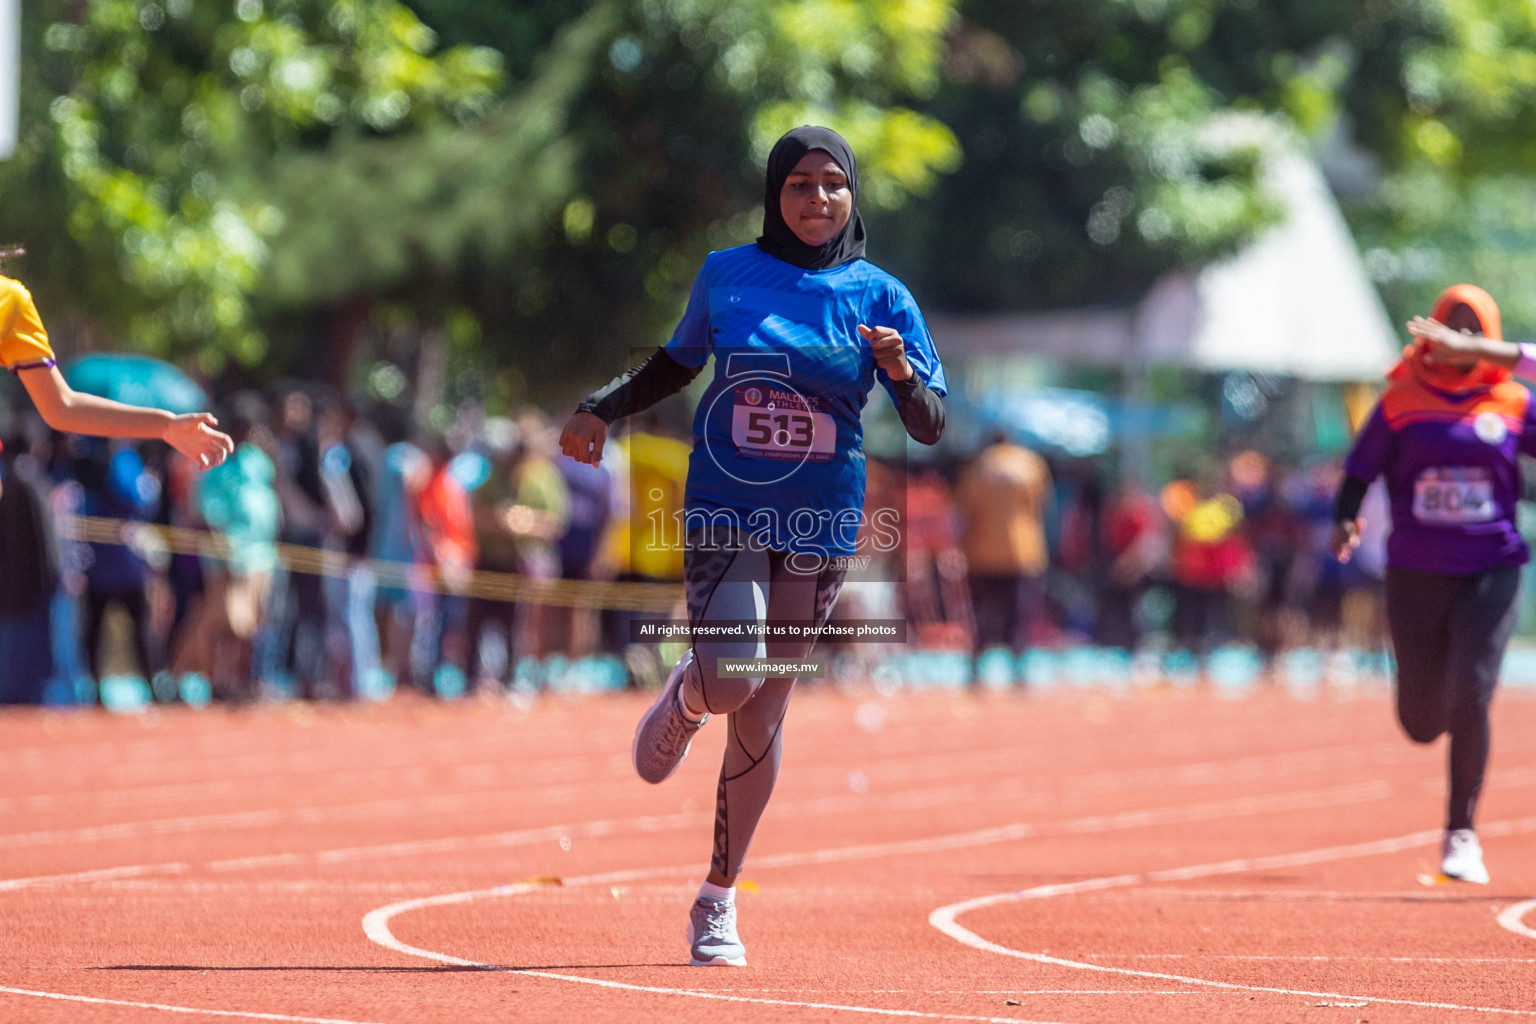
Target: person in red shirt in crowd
<point>937,603</point>
<point>1211,558</point>
<point>447,524</point>
<point>1135,541</point>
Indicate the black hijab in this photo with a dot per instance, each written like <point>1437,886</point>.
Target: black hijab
<point>778,239</point>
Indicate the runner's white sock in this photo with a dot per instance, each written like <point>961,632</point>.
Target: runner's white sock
<point>718,893</point>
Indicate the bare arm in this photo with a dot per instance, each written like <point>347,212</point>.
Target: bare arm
<point>64,408</point>
<point>1448,343</point>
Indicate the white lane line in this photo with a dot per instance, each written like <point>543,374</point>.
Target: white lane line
<point>250,766</point>
<point>1304,800</point>
<point>376,927</point>
<point>176,1009</point>
<point>1360,792</point>
<point>1305,958</point>
<point>229,821</point>
<point>376,923</point>
<point>187,886</point>
<point>1252,768</point>
<point>491,775</point>
<point>129,871</point>
<point>945,918</point>
<point>894,769</point>
<point>982,991</point>
<point>511,838</point>
<point>372,780</point>
<point>1513,918</point>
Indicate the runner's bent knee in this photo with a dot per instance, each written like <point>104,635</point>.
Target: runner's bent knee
<point>1422,726</point>
<point>725,693</point>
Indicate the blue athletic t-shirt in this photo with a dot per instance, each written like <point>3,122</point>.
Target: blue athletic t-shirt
<point>777,441</point>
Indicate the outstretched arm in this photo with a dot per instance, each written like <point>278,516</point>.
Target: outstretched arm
<point>64,408</point>
<point>1451,345</point>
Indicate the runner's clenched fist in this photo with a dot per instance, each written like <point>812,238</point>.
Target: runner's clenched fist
<point>890,351</point>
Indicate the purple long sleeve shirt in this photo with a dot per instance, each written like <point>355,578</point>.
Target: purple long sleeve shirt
<point>1452,472</point>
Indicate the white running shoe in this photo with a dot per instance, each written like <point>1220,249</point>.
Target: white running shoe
<point>664,732</point>
<point>1462,857</point>
<point>712,938</point>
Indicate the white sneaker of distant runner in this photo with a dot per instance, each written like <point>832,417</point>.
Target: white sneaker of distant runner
<point>1462,857</point>
<point>664,732</point>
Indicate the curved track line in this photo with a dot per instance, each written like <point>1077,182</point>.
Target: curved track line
<point>945,918</point>
<point>376,923</point>
<point>376,927</point>
<point>176,1009</point>
<point>1513,918</point>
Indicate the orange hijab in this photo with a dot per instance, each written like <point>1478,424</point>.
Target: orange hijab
<point>1482,375</point>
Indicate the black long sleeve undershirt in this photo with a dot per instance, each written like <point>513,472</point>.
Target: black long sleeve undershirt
<point>1351,493</point>
<point>640,387</point>
<point>921,409</point>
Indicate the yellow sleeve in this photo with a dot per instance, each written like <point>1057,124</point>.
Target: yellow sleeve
<point>23,340</point>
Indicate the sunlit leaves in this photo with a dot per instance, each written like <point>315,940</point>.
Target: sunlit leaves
<point>901,153</point>
<point>834,62</point>
<point>159,117</point>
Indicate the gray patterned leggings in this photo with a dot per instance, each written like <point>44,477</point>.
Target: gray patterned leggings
<point>728,580</point>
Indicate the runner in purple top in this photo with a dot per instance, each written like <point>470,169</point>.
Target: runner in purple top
<point>1447,436</point>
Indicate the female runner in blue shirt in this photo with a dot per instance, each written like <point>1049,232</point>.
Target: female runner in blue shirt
<point>801,327</point>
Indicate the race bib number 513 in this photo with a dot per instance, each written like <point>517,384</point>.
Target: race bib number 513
<point>1454,496</point>
<point>774,423</point>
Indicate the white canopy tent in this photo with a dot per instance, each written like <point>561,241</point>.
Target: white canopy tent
<point>1296,302</point>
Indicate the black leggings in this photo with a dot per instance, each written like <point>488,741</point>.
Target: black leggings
<point>1449,634</point>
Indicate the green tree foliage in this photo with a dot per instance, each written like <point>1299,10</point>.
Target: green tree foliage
<point>1100,151</point>
<point>145,125</point>
<point>1454,122</point>
<point>401,216</point>
<point>540,180</point>
<point>668,136</point>
<point>1106,142</point>
<point>1483,231</point>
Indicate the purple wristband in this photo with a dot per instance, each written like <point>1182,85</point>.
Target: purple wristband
<point>35,364</point>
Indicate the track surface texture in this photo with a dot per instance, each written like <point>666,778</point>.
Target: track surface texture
<point>1169,856</point>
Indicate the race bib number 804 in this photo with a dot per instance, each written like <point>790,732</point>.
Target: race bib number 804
<point>1454,496</point>
<point>774,423</point>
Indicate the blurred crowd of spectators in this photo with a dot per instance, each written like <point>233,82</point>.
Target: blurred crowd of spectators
<point>1061,552</point>
<point>1003,549</point>
<point>308,471</point>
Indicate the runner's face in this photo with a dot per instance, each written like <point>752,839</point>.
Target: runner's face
<point>816,200</point>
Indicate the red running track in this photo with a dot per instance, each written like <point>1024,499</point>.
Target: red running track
<point>1170,856</point>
